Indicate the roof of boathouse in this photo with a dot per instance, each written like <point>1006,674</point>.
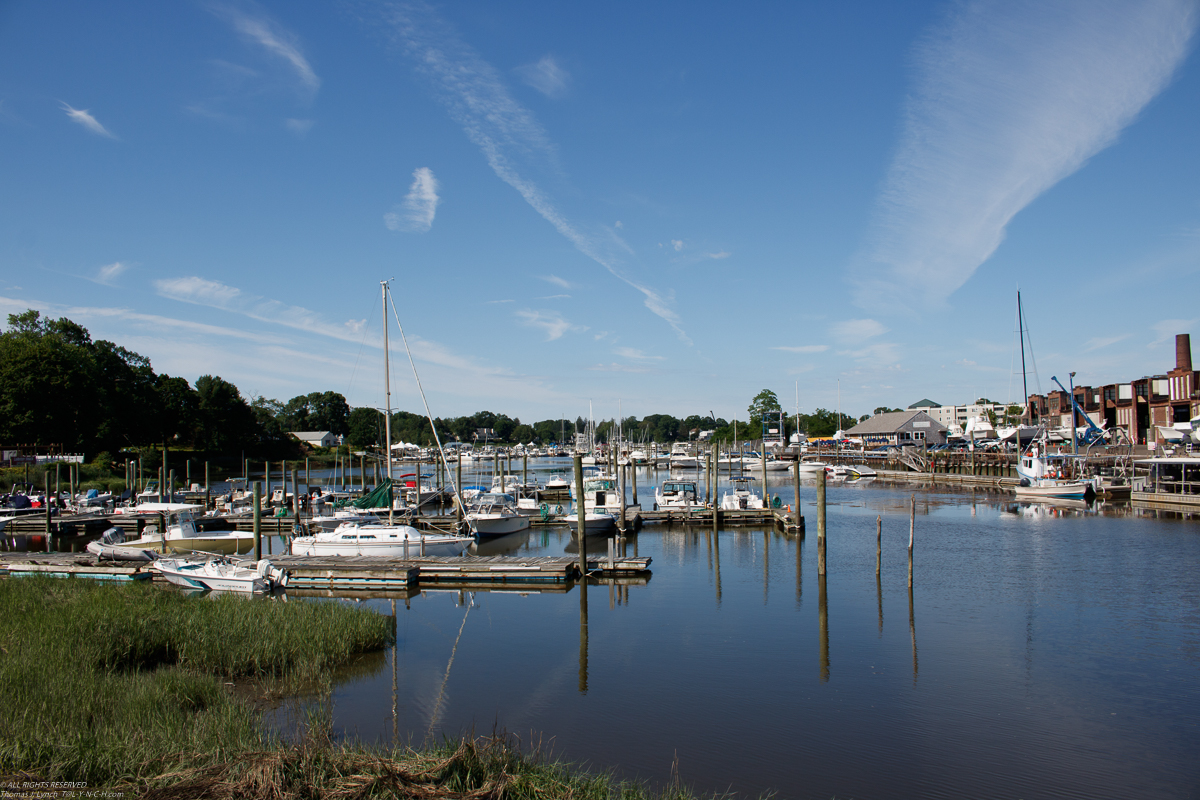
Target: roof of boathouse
<point>926,403</point>
<point>894,421</point>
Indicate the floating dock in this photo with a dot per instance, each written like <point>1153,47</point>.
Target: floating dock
<point>356,573</point>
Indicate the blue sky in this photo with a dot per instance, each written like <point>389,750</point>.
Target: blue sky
<point>671,206</point>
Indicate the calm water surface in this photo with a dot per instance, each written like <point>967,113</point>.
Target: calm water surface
<point>1045,653</point>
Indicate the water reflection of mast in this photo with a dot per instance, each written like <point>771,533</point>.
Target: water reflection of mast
<point>395,648</point>
<point>583,635</point>
<point>823,618</point>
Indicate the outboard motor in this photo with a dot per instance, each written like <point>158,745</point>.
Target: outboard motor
<point>113,535</point>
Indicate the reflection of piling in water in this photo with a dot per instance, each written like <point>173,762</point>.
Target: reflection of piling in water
<point>879,598</point>
<point>766,563</point>
<point>821,524</point>
<point>717,563</point>
<point>823,618</point>
<point>878,544</point>
<point>583,633</point>
<point>912,629</point>
<point>799,570</point>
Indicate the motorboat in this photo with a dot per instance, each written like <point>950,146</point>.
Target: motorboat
<point>494,514</point>
<point>811,467</point>
<point>862,471</point>
<point>221,574</point>
<point>601,493</point>
<point>678,495</point>
<point>182,535</point>
<point>389,541</point>
<point>741,497</point>
<point>107,547</point>
<point>683,457</point>
<point>595,523</point>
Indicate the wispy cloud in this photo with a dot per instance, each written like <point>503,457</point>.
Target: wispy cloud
<point>1102,341</point>
<point>84,118</point>
<point>677,244</point>
<point>298,126</point>
<point>615,367</point>
<point>546,76</point>
<point>416,212</point>
<point>1009,97</point>
<point>803,348</point>
<point>637,355</point>
<point>1168,328</point>
<point>274,38</point>
<point>200,291</point>
<point>551,322</point>
<point>857,330</point>
<point>503,130</point>
<point>557,281</point>
<point>719,255</point>
<point>554,297</point>
<point>108,274</point>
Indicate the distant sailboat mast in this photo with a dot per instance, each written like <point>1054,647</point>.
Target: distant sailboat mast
<point>1021,329</point>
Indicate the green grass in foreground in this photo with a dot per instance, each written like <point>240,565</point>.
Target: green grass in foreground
<point>125,687</point>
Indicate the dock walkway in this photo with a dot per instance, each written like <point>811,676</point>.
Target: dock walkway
<point>365,573</point>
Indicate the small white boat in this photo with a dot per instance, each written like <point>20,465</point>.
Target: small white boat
<point>343,515</point>
<point>678,495</point>
<point>741,497</point>
<point>495,515</point>
<point>182,535</point>
<point>811,467</point>
<point>221,574</point>
<point>862,471</point>
<point>595,523</point>
<point>391,541</point>
<point>107,547</point>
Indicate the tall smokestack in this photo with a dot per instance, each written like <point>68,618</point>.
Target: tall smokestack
<point>1183,352</point>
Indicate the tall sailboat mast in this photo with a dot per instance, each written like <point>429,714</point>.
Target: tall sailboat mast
<point>387,419</point>
<point>1024,375</point>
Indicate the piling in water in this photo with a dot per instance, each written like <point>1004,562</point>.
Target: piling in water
<point>821,523</point>
<point>257,520</point>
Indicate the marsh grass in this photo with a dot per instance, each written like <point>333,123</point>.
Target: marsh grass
<point>103,682</point>
<point>131,688</point>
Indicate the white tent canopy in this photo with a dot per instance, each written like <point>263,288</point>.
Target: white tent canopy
<point>405,446</point>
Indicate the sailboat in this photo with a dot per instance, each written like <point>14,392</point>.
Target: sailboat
<point>356,538</point>
<point>1020,433</point>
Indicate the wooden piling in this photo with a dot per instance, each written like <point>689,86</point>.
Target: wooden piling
<point>257,520</point>
<point>622,518</point>
<point>796,484</point>
<point>46,495</point>
<point>821,524</point>
<point>766,495</point>
<point>581,515</point>
<point>878,543</point>
<point>633,482</point>
<point>458,509</point>
<point>265,497</point>
<point>207,490</point>
<point>912,527</point>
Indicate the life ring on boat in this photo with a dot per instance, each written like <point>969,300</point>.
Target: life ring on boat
<point>558,509</point>
<point>1052,473</point>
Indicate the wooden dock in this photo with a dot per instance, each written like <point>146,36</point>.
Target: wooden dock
<point>356,573</point>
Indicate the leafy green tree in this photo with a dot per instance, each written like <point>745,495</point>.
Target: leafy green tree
<point>882,410</point>
<point>765,402</point>
<point>228,423</point>
<point>365,428</point>
<point>523,434</point>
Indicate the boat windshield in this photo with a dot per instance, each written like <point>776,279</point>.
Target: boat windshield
<point>599,484</point>
<point>679,487</point>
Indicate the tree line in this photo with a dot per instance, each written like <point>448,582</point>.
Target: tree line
<point>59,388</point>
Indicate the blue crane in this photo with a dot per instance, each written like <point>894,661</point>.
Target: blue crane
<point>1094,432</point>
